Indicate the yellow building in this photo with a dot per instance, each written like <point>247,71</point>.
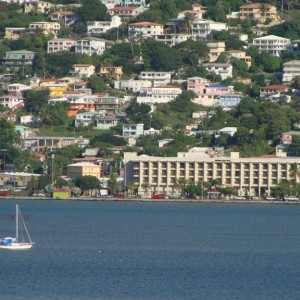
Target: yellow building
<point>83,169</point>
<point>111,72</point>
<point>57,90</point>
<point>15,33</point>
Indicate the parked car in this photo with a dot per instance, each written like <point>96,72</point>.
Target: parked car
<point>270,198</point>
<point>291,198</point>
<point>158,197</point>
<point>239,198</point>
<point>174,196</point>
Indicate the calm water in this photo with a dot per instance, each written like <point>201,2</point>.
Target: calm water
<point>153,251</point>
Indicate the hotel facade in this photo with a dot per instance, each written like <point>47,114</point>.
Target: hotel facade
<point>250,176</point>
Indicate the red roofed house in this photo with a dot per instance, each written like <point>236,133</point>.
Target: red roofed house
<point>259,12</point>
<point>144,29</point>
<point>126,11</point>
<point>273,89</point>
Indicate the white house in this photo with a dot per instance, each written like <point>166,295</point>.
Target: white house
<point>291,69</point>
<point>144,30</point>
<point>157,78</point>
<point>203,28</point>
<point>224,70</point>
<point>132,85</point>
<point>11,101</point>
<point>87,118</point>
<point>84,70</point>
<point>273,44</point>
<point>90,46</point>
<point>159,94</point>
<point>17,89</point>
<point>133,130</point>
<point>99,27</point>
<point>57,45</point>
<point>105,122</point>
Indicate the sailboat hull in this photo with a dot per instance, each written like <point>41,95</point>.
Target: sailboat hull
<point>17,246</point>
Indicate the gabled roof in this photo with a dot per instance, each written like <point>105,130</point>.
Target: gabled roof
<point>269,37</point>
<point>275,87</point>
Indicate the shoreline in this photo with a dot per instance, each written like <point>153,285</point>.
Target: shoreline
<point>110,199</point>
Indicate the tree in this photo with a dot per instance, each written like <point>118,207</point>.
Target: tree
<point>139,113</point>
<point>146,186</point>
<point>36,99</point>
<point>97,84</point>
<point>87,183</point>
<point>294,172</point>
<point>93,10</point>
<point>113,184</point>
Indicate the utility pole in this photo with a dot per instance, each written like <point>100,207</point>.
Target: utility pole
<point>4,151</point>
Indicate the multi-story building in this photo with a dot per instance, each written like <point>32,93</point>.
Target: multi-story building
<point>99,27</point>
<point>15,33</point>
<point>11,101</point>
<point>111,72</point>
<point>126,11</point>
<point>19,58</point>
<point>87,118</point>
<point>203,28</point>
<point>273,89</point>
<point>159,94</point>
<point>273,44</point>
<point>68,18</point>
<point>38,6</point>
<point>83,169</point>
<point>131,85</point>
<point>241,55</point>
<point>224,70</point>
<point>215,49</point>
<point>133,130</point>
<point>229,100</point>
<point>258,12</point>
<point>90,46</point>
<point>83,70</point>
<point>144,30</point>
<point>60,45</point>
<point>17,89</point>
<point>45,27</point>
<point>111,105</point>
<point>197,84</point>
<point>252,176</point>
<point>106,122</point>
<point>141,3</point>
<point>157,78</point>
<point>291,69</point>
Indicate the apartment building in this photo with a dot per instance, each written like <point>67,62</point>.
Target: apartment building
<point>273,44</point>
<point>17,89</point>
<point>251,176</point>
<point>131,85</point>
<point>87,118</point>
<point>291,69</point>
<point>111,72</point>
<point>229,100</point>
<point>203,28</point>
<point>197,84</point>
<point>57,45</point>
<point>141,3</point>
<point>90,46</point>
<point>144,30</point>
<point>39,6</point>
<point>109,104</point>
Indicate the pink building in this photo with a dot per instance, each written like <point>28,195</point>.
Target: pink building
<point>197,84</point>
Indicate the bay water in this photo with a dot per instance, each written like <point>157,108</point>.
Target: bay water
<point>125,250</point>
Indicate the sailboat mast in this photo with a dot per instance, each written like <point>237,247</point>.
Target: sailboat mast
<point>17,222</point>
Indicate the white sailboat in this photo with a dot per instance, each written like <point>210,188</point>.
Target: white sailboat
<point>14,243</point>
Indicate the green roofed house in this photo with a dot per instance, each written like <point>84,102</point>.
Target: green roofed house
<point>61,193</point>
<point>19,58</point>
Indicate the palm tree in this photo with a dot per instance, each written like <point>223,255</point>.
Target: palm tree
<point>131,186</point>
<point>146,186</point>
<point>295,172</point>
<point>113,184</point>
